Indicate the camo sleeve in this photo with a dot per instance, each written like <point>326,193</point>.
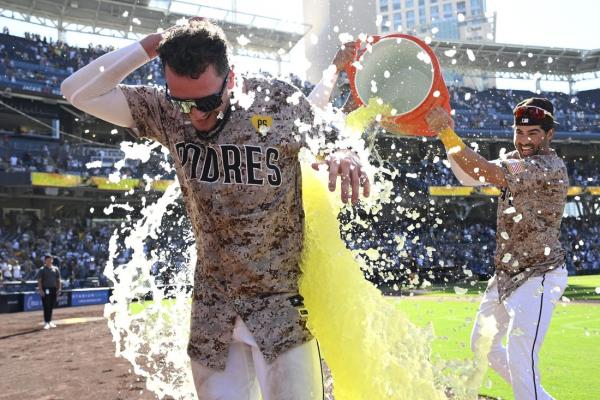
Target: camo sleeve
<point>148,110</point>
<point>309,128</point>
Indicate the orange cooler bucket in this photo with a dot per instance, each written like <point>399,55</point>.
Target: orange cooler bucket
<point>404,72</point>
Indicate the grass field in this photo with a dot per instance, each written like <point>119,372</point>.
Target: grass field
<point>570,356</point>
<point>581,287</point>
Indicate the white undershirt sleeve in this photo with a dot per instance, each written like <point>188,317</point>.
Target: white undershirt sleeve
<point>94,88</point>
<point>464,178</point>
<point>321,93</point>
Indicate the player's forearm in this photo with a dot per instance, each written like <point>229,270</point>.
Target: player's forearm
<point>104,73</point>
<point>321,93</point>
<point>469,161</point>
<point>464,178</point>
<point>94,88</point>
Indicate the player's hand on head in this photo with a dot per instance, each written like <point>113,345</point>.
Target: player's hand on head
<point>346,165</point>
<point>439,119</point>
<point>344,56</point>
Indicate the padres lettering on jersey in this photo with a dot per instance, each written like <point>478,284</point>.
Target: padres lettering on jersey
<point>225,163</point>
<point>243,196</point>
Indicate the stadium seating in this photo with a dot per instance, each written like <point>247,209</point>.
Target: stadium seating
<point>34,65</point>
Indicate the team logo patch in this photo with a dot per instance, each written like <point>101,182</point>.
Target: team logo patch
<point>262,123</point>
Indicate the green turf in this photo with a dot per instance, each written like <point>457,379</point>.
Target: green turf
<point>570,354</point>
<point>139,306</point>
<point>568,359</point>
<point>581,287</point>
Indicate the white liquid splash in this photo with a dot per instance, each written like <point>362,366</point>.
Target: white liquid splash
<point>154,340</point>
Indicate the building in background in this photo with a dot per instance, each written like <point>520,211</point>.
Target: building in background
<point>335,20</point>
<point>446,19</point>
<point>456,20</point>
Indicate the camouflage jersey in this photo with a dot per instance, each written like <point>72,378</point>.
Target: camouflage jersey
<point>242,192</point>
<point>530,210</point>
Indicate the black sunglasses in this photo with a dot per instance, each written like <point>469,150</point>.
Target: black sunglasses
<point>204,104</point>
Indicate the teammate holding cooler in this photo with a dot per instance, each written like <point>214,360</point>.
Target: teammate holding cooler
<point>530,262</point>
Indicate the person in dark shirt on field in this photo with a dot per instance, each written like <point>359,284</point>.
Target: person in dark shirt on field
<point>49,286</point>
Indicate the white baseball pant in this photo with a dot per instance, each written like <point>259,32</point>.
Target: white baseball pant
<point>294,375</point>
<point>524,318</point>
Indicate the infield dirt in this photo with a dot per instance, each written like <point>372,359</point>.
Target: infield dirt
<point>76,360</point>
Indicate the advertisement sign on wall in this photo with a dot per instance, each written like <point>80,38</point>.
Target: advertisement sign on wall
<point>89,297</point>
<point>32,301</point>
<point>11,302</point>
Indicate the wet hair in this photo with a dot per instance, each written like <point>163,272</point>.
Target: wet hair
<point>189,49</point>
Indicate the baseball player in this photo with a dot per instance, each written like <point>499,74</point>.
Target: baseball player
<point>235,146</point>
<point>530,262</point>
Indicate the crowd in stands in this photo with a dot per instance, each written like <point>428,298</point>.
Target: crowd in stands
<point>473,245</point>
<point>584,172</point>
<point>464,248</point>
<point>38,64</point>
<point>38,59</point>
<point>80,247</point>
<point>582,241</point>
<point>89,161</point>
<point>80,250</point>
<point>460,245</point>
<point>84,161</point>
<point>492,109</point>
<point>447,249</point>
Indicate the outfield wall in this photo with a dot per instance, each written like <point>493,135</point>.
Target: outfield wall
<point>32,301</point>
